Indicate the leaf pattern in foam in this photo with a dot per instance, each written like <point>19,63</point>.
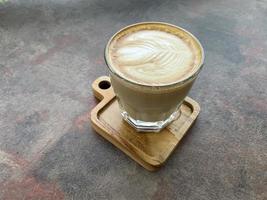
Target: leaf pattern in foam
<point>155,55</point>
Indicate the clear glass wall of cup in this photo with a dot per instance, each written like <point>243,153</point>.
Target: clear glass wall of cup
<point>147,107</point>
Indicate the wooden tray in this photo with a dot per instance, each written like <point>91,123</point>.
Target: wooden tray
<point>150,150</point>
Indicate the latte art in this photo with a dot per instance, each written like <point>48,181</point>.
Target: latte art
<point>153,56</point>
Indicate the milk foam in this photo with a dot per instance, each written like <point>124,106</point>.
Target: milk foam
<point>152,57</point>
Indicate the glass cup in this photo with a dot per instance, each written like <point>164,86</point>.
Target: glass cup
<point>148,107</point>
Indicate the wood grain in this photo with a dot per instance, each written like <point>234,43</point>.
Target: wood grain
<point>150,150</point>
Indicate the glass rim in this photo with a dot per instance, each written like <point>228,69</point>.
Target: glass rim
<point>178,82</point>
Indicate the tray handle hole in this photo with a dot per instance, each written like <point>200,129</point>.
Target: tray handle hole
<point>104,85</point>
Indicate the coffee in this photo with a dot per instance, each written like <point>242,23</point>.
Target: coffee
<point>153,66</point>
<point>154,57</point>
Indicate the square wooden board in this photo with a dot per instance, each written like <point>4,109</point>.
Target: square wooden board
<point>150,150</point>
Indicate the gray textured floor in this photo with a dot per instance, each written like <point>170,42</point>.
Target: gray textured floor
<point>51,51</point>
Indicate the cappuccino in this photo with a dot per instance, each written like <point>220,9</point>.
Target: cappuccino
<point>153,66</point>
<point>154,56</point>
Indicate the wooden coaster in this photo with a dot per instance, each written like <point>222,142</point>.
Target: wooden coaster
<point>150,150</point>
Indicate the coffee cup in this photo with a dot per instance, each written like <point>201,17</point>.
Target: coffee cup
<point>152,66</point>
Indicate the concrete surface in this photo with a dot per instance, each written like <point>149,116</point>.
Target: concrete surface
<point>51,51</point>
